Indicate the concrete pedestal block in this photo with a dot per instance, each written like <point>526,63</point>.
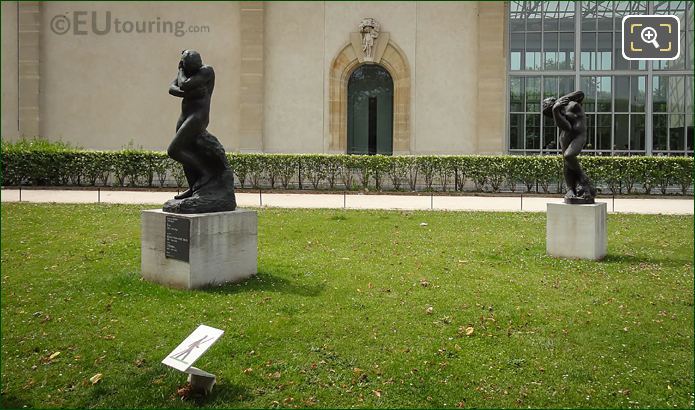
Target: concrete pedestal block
<point>193,251</point>
<point>576,231</point>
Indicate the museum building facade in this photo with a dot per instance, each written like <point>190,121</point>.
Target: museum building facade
<point>386,78</point>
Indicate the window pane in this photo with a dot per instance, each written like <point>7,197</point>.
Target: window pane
<point>689,132</point>
<point>533,94</point>
<point>637,132</point>
<point>622,8</point>
<point>533,131</point>
<point>689,48</point>
<point>660,132</point>
<point>590,131</point>
<point>549,134</point>
<point>516,95</point>
<point>566,51</point>
<point>676,94</point>
<point>566,85</point>
<point>550,51</point>
<point>550,15</point>
<point>620,62</point>
<point>550,87</point>
<point>588,85</point>
<point>659,93</point>
<point>679,63</point>
<point>566,15</point>
<point>603,131</point>
<point>677,8</point>
<point>588,16</point>
<point>533,51</point>
<point>621,131</point>
<point>516,131</point>
<point>638,65</point>
<point>605,41</point>
<point>588,56</point>
<point>605,15</point>
<point>603,94</point>
<point>622,93</point>
<point>516,17</point>
<point>637,93</point>
<point>676,132</point>
<point>533,20</point>
<point>689,94</point>
<point>516,49</point>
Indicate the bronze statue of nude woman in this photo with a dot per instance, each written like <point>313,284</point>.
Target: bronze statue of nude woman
<point>569,117</point>
<point>209,176</point>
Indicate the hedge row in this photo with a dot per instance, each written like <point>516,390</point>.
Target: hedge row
<point>131,167</point>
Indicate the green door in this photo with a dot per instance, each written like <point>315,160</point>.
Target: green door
<point>370,111</point>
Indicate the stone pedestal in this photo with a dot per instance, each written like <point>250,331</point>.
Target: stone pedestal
<point>576,231</point>
<point>193,251</point>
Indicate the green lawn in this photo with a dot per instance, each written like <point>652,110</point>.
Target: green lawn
<point>339,314</point>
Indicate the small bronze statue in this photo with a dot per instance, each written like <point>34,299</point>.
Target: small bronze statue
<point>209,176</point>
<point>569,117</point>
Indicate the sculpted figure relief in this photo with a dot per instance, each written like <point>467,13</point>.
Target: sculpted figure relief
<point>569,117</point>
<point>369,29</point>
<point>209,176</point>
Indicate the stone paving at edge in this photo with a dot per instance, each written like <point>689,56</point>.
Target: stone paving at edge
<point>357,201</point>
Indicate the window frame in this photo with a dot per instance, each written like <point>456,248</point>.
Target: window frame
<point>633,70</point>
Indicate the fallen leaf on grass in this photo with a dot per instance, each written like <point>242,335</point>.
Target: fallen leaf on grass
<point>96,378</point>
<point>429,310</point>
<point>468,331</point>
<point>54,355</point>
<point>377,393</point>
<point>184,391</point>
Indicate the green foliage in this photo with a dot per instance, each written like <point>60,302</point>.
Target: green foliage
<point>315,169</point>
<point>427,168</point>
<point>39,162</point>
<point>398,169</point>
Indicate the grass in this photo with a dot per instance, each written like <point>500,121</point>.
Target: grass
<point>338,314</point>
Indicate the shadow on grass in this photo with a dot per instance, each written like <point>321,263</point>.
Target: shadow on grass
<point>221,393</point>
<point>266,281</point>
<point>633,259</point>
<point>13,402</point>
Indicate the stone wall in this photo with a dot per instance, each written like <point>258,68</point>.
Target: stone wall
<point>272,61</point>
<point>10,72</point>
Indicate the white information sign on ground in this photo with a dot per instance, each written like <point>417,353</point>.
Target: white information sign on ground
<point>185,354</point>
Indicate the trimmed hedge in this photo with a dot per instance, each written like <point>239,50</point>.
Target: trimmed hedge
<point>59,165</point>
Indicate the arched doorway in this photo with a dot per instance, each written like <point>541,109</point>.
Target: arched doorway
<point>370,111</point>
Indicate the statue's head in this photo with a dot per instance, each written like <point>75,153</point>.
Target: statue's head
<point>191,61</point>
<point>547,106</point>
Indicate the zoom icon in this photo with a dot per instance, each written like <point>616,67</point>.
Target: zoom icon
<point>652,37</point>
